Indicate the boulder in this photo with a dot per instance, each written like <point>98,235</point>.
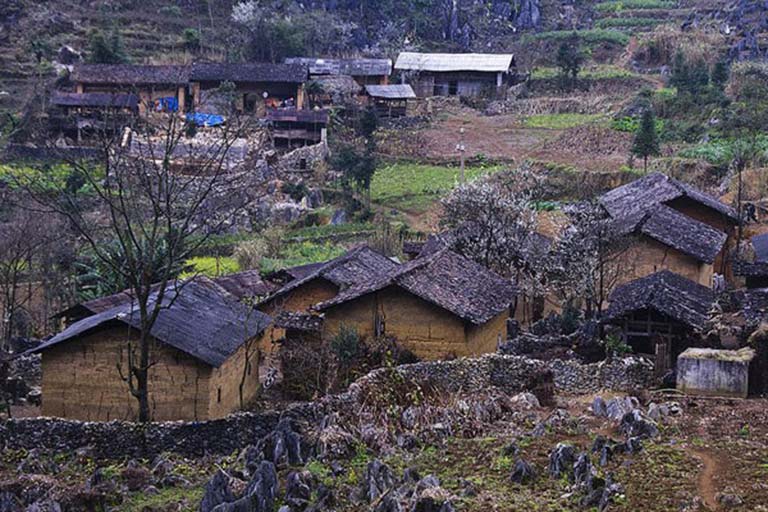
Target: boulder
<point>217,491</point>
<point>637,424</point>
<point>523,472</point>
<point>298,490</point>
<point>583,472</point>
<point>282,445</point>
<point>377,480</point>
<point>561,460</point>
<point>599,407</point>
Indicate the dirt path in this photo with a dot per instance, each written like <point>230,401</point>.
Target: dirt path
<point>707,478</point>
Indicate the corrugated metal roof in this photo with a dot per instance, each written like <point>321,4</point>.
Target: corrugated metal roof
<point>352,67</point>
<point>488,62</point>
<point>392,92</point>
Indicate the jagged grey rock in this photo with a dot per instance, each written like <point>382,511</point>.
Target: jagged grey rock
<point>523,472</point>
<point>217,491</point>
<point>561,460</point>
<point>377,480</point>
<point>637,424</point>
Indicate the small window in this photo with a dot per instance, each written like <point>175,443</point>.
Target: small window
<point>303,164</point>
<point>218,397</point>
<point>248,368</point>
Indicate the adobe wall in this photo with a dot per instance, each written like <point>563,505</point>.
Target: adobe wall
<point>423,328</point>
<point>81,381</point>
<point>225,380</point>
<point>485,339</point>
<point>646,256</point>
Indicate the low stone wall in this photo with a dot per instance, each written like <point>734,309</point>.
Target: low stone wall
<point>492,372</point>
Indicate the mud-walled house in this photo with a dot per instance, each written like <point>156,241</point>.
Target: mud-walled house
<point>681,228</point>
<point>390,101</point>
<point>312,284</point>
<point>660,315</point>
<point>158,88</point>
<point>363,71</point>
<point>437,306</point>
<point>204,359</point>
<point>456,74</point>
<point>258,86</point>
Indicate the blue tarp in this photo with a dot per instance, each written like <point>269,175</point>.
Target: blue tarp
<point>168,104</point>
<point>205,119</point>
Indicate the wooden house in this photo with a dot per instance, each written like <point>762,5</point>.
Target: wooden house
<point>439,305</point>
<point>363,71</point>
<point>258,86</point>
<point>660,315</point>
<point>204,359</point>
<point>390,101</point>
<point>456,74</point>
<point>158,88</point>
<point>292,127</point>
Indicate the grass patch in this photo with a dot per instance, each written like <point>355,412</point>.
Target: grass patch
<point>720,152</point>
<point>629,22</point>
<point>597,35</point>
<point>560,121</point>
<point>634,5</point>
<point>600,72</point>
<point>415,187</point>
<point>331,229</point>
<point>301,253</point>
<point>184,500</point>
<point>210,266</point>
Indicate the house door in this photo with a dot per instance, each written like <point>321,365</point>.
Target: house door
<point>663,361</point>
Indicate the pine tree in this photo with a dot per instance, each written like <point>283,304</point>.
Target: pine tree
<point>106,50</point>
<point>680,71</point>
<point>646,139</point>
<point>569,58</point>
<point>720,74</point>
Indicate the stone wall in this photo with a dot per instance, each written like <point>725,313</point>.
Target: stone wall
<point>489,374</point>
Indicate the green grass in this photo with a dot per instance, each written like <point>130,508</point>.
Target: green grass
<point>597,35</point>
<point>560,121</point>
<point>720,152</point>
<point>600,72</point>
<point>415,187</point>
<point>184,500</point>
<point>210,266</point>
<point>330,230</point>
<point>301,253</point>
<point>621,5</point>
<point>630,22</point>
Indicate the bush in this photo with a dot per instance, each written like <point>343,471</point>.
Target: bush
<point>191,39</point>
<point>248,254</point>
<point>616,347</point>
<point>629,22</point>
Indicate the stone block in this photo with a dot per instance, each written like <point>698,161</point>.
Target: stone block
<point>704,371</point>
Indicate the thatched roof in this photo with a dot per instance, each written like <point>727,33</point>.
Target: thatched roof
<point>445,279</point>
<point>664,292</point>
<point>390,92</point>
<point>130,74</point>
<point>95,99</point>
<point>353,267</point>
<point>200,319</point>
<point>351,67</point>
<point>248,73</point>
<point>676,230</point>
<point>657,188</point>
<point>447,62</point>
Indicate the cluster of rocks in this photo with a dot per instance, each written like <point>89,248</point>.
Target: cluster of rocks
<point>383,492</point>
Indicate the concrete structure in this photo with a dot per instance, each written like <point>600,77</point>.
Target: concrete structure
<point>705,371</point>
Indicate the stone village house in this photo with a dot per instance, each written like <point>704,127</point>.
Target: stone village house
<point>204,359</point>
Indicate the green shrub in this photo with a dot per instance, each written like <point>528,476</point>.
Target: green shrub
<point>621,5</point>
<point>629,22</point>
<point>630,124</point>
<point>210,266</point>
<point>616,346</point>
<point>560,121</point>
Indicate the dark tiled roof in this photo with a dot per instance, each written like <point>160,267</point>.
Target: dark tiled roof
<point>355,266</point>
<point>95,99</point>
<point>748,269</point>
<point>245,284</point>
<point>446,279</point>
<point>299,321</point>
<point>754,303</point>
<point>352,67</point>
<point>298,115</point>
<point>203,320</point>
<point>657,188</point>
<point>667,293</point>
<point>676,230</point>
<point>251,72</point>
<point>130,74</point>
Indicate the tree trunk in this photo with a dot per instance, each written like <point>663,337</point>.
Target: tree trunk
<point>142,379</point>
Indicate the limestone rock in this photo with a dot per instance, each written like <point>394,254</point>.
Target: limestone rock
<point>217,491</point>
<point>523,472</point>
<point>561,460</point>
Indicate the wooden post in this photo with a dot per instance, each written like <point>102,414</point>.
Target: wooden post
<point>461,149</point>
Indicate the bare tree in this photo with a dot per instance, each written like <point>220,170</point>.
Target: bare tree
<point>22,241</point>
<point>159,194</point>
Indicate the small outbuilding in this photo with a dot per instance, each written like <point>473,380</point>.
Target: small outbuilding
<point>706,371</point>
<point>204,358</point>
<point>363,71</point>
<point>660,315</point>
<point>456,74</point>
<point>390,101</point>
